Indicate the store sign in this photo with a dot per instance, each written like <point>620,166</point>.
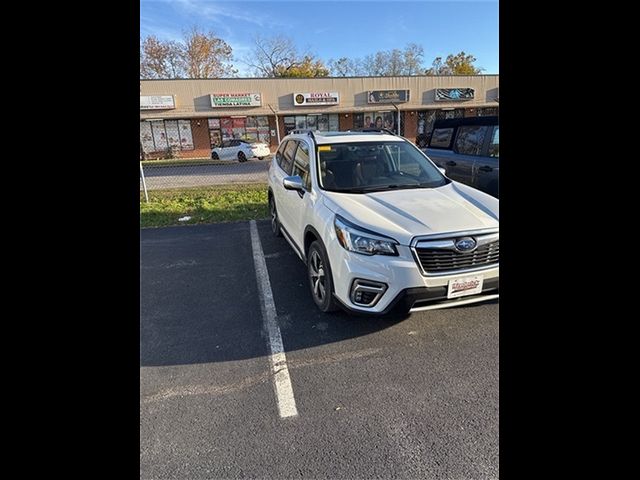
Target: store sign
<point>453,94</point>
<point>316,98</point>
<point>388,96</point>
<point>222,100</point>
<point>157,102</point>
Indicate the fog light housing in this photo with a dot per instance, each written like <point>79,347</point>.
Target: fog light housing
<point>366,293</point>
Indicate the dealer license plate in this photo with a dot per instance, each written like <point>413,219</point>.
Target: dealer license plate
<point>461,287</point>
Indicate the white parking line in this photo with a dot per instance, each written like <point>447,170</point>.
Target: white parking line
<point>277,359</point>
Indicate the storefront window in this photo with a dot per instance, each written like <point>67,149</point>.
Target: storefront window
<point>488,111</point>
<point>319,122</point>
<point>251,129</point>
<point>381,119</point>
<point>158,135</point>
<point>426,118</point>
<point>146,137</point>
<point>446,114</point>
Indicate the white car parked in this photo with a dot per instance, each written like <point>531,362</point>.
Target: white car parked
<point>240,150</point>
<point>379,225</point>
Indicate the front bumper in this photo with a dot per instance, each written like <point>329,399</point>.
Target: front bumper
<point>406,286</point>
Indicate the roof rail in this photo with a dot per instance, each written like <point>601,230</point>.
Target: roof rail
<point>379,130</point>
<point>307,131</point>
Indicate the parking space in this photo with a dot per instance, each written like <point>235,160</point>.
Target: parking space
<point>397,397</point>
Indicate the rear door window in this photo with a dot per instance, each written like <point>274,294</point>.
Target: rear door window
<point>470,139</point>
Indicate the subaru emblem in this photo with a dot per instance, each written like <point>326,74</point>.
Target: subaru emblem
<point>465,244</point>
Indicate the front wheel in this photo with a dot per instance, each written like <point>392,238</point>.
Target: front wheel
<point>275,223</point>
<point>260,158</point>
<point>215,156</point>
<point>242,157</point>
<point>320,282</point>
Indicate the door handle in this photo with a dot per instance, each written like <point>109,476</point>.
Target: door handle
<point>486,168</point>
<point>451,163</point>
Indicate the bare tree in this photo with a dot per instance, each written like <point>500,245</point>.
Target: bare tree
<point>198,55</point>
<point>279,57</point>
<point>375,65</point>
<point>271,55</point>
<point>437,67</point>
<point>395,65</point>
<point>413,58</point>
<point>394,62</point>
<point>206,56</point>
<point>344,67</point>
<point>160,59</point>
<point>459,64</point>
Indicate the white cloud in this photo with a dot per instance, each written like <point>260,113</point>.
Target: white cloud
<point>218,12</point>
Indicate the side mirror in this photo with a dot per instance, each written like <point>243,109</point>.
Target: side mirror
<point>443,170</point>
<point>293,183</point>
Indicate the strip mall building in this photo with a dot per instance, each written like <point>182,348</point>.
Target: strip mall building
<point>191,116</point>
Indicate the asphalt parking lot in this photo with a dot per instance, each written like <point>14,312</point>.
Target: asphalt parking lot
<point>411,397</point>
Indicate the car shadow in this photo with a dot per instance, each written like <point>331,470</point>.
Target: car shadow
<point>199,300</point>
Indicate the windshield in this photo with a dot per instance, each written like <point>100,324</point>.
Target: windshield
<point>361,167</point>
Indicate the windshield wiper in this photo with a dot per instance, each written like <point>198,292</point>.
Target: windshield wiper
<point>346,190</point>
<point>375,188</point>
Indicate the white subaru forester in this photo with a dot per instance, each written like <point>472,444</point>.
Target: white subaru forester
<point>379,226</point>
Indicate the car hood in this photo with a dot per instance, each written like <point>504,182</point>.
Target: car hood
<point>404,214</point>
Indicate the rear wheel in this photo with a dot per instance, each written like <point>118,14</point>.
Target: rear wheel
<point>215,156</point>
<point>319,272</point>
<point>242,157</point>
<point>260,158</point>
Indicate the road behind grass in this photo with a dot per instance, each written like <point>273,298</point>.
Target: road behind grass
<point>164,177</point>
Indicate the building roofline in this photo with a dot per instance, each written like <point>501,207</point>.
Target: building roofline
<point>311,78</point>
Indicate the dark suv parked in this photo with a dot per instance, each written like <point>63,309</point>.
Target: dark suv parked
<point>468,148</point>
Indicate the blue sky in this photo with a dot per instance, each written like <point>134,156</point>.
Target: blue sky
<point>335,29</point>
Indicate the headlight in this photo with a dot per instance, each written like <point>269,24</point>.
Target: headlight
<point>368,243</point>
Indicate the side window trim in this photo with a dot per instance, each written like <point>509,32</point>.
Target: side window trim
<point>301,143</point>
<point>280,154</point>
<point>293,156</point>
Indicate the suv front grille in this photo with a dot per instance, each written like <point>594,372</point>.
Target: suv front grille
<point>440,257</point>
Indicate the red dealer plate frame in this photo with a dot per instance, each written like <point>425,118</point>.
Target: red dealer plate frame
<point>465,286</point>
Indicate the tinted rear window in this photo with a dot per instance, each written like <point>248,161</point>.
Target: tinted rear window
<point>470,139</point>
<point>441,138</point>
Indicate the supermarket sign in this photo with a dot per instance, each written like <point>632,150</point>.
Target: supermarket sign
<point>157,102</point>
<point>223,100</point>
<point>316,98</point>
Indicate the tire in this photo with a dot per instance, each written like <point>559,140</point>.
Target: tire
<point>242,157</point>
<point>275,223</point>
<point>215,156</point>
<point>320,281</point>
<point>260,158</point>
